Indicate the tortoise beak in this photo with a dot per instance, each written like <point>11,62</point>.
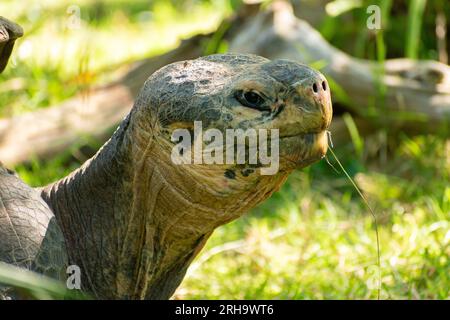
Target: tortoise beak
<point>317,90</point>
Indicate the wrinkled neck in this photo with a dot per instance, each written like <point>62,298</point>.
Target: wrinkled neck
<point>90,205</point>
<point>133,223</point>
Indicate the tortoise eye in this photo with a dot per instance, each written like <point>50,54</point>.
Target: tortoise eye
<point>251,99</point>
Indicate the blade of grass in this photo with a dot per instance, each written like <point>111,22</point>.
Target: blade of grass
<point>415,16</point>
<point>39,286</point>
<point>358,143</point>
<point>373,216</point>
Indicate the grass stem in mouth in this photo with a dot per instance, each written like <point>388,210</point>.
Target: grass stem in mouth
<point>371,212</point>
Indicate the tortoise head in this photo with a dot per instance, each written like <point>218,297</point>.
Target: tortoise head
<point>230,121</point>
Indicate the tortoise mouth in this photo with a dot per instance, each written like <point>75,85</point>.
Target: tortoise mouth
<point>302,150</point>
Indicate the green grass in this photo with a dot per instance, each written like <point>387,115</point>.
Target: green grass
<point>408,28</point>
<point>57,58</point>
<point>29,285</point>
<point>415,13</point>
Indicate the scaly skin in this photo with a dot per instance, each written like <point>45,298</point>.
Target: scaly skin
<point>132,220</point>
<point>29,235</point>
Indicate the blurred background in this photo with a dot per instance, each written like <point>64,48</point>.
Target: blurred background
<point>315,238</point>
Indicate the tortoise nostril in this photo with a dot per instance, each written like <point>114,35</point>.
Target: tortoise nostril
<point>315,88</point>
<point>324,86</point>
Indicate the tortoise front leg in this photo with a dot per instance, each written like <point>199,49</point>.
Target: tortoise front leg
<point>9,32</point>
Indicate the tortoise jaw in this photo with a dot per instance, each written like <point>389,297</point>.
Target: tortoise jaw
<point>302,150</point>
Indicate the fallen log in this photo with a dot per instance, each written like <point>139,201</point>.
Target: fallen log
<point>405,93</point>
